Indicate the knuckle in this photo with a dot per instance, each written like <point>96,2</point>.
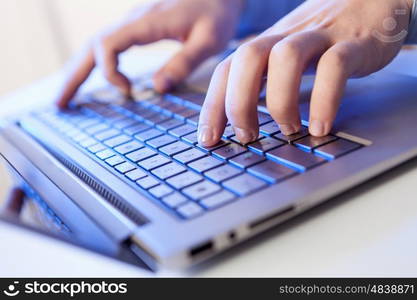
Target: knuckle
<point>287,51</point>
<point>337,58</point>
<point>222,68</point>
<point>250,50</point>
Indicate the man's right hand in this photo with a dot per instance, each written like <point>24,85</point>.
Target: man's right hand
<point>204,27</point>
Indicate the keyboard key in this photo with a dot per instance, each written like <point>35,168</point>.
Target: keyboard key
<point>265,145</point>
<point>295,158</point>
<point>161,191</point>
<point>336,149</point>
<point>222,173</point>
<point>229,151</point>
<point>88,142</point>
<point>271,171</point>
<point>185,179</point>
<point>125,123</point>
<point>191,138</point>
<point>125,167</point>
<point>189,156</point>
<point>182,130</point>
<point>147,182</point>
<point>105,154</point>
<point>236,140</point>
<point>221,143</point>
<point>264,118</point>
<point>291,138</point>
<point>174,200</point>
<point>205,164</point>
<point>187,113</point>
<point>154,162</point>
<point>244,184</point>
<point>310,142</point>
<point>174,148</point>
<point>228,132</point>
<point>128,147</point>
<point>118,140</point>
<point>135,174</point>
<point>148,134</point>
<point>201,190</point>
<point>190,210</point>
<point>170,124</point>
<point>114,160</point>
<point>141,154</point>
<point>156,119</point>
<point>96,128</point>
<point>193,120</point>
<point>168,170</point>
<point>107,134</point>
<point>246,160</point>
<point>161,141</point>
<point>96,148</point>
<point>80,137</point>
<point>136,129</point>
<point>218,200</point>
<point>89,122</point>
<point>269,128</point>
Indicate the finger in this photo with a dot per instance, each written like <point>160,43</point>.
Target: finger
<point>81,69</point>
<point>213,118</point>
<point>288,60</point>
<point>14,203</point>
<point>247,70</point>
<point>333,70</point>
<point>200,45</point>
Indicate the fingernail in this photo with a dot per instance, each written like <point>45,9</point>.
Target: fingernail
<point>205,136</point>
<point>163,83</point>
<point>288,129</point>
<point>244,136</point>
<point>317,128</point>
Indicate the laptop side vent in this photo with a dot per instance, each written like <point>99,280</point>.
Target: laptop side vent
<point>107,194</point>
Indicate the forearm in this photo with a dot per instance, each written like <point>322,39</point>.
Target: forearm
<point>258,15</point>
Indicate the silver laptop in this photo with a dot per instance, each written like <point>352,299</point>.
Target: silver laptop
<point>129,179</point>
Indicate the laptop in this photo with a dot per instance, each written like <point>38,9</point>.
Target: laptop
<point>130,179</point>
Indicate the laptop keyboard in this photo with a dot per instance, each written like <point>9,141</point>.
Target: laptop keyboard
<point>153,145</point>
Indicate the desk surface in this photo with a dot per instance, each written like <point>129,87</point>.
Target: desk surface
<point>368,231</point>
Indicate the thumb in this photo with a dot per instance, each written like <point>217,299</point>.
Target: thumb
<point>199,46</point>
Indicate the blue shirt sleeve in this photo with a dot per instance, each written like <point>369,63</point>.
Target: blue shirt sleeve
<point>258,15</point>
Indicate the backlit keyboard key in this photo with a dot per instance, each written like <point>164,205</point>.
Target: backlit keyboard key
<point>148,134</point>
<point>265,145</point>
<point>201,190</point>
<point>184,180</point>
<point>229,151</point>
<point>135,174</point>
<point>190,210</point>
<point>271,171</point>
<point>185,114</point>
<point>264,118</point>
<point>174,148</point>
<point>191,138</point>
<point>182,130</point>
<point>189,156</point>
<point>174,200</point>
<point>295,158</point>
<point>336,149</point>
<point>193,120</point>
<point>161,191</point>
<point>310,142</point>
<point>245,184</point>
<point>96,148</point>
<point>129,147</point>
<point>269,128</point>
<point>222,173</point>
<point>161,141</point>
<point>107,134</point>
<point>170,124</point>
<point>125,167</point>
<point>147,182</point>
<point>105,154</point>
<point>293,137</point>
<point>153,162</point>
<point>217,200</point>
<point>136,129</point>
<point>228,132</point>
<point>246,160</point>
<point>168,170</point>
<point>141,154</point>
<point>221,143</point>
<point>97,128</point>
<point>118,140</point>
<point>205,164</point>
<point>114,160</point>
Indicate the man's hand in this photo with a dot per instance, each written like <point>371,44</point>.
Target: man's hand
<point>342,38</point>
<point>205,28</point>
